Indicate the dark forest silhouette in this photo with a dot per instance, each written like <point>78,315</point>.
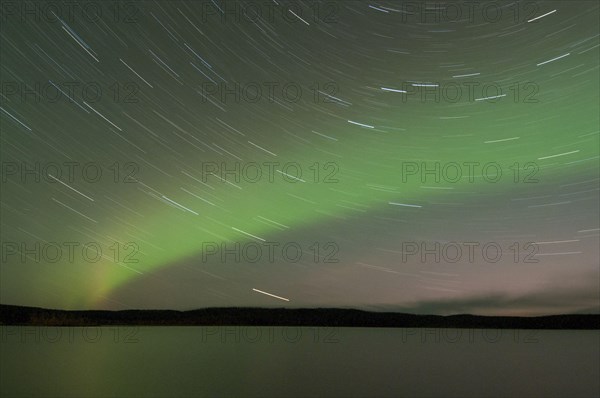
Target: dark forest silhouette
<point>17,315</point>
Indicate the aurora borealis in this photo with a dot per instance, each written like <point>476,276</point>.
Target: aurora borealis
<point>180,104</point>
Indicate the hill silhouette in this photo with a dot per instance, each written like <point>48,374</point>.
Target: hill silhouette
<point>18,315</point>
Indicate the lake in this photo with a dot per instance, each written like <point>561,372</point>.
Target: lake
<point>297,361</point>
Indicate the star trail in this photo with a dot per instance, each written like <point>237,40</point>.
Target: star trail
<point>434,157</point>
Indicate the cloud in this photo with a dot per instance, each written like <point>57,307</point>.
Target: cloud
<point>546,302</point>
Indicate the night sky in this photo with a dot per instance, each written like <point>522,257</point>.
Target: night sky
<point>346,108</point>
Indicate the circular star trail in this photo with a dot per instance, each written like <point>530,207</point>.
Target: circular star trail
<point>439,159</point>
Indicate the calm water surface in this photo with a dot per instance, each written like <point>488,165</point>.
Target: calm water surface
<point>280,362</point>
